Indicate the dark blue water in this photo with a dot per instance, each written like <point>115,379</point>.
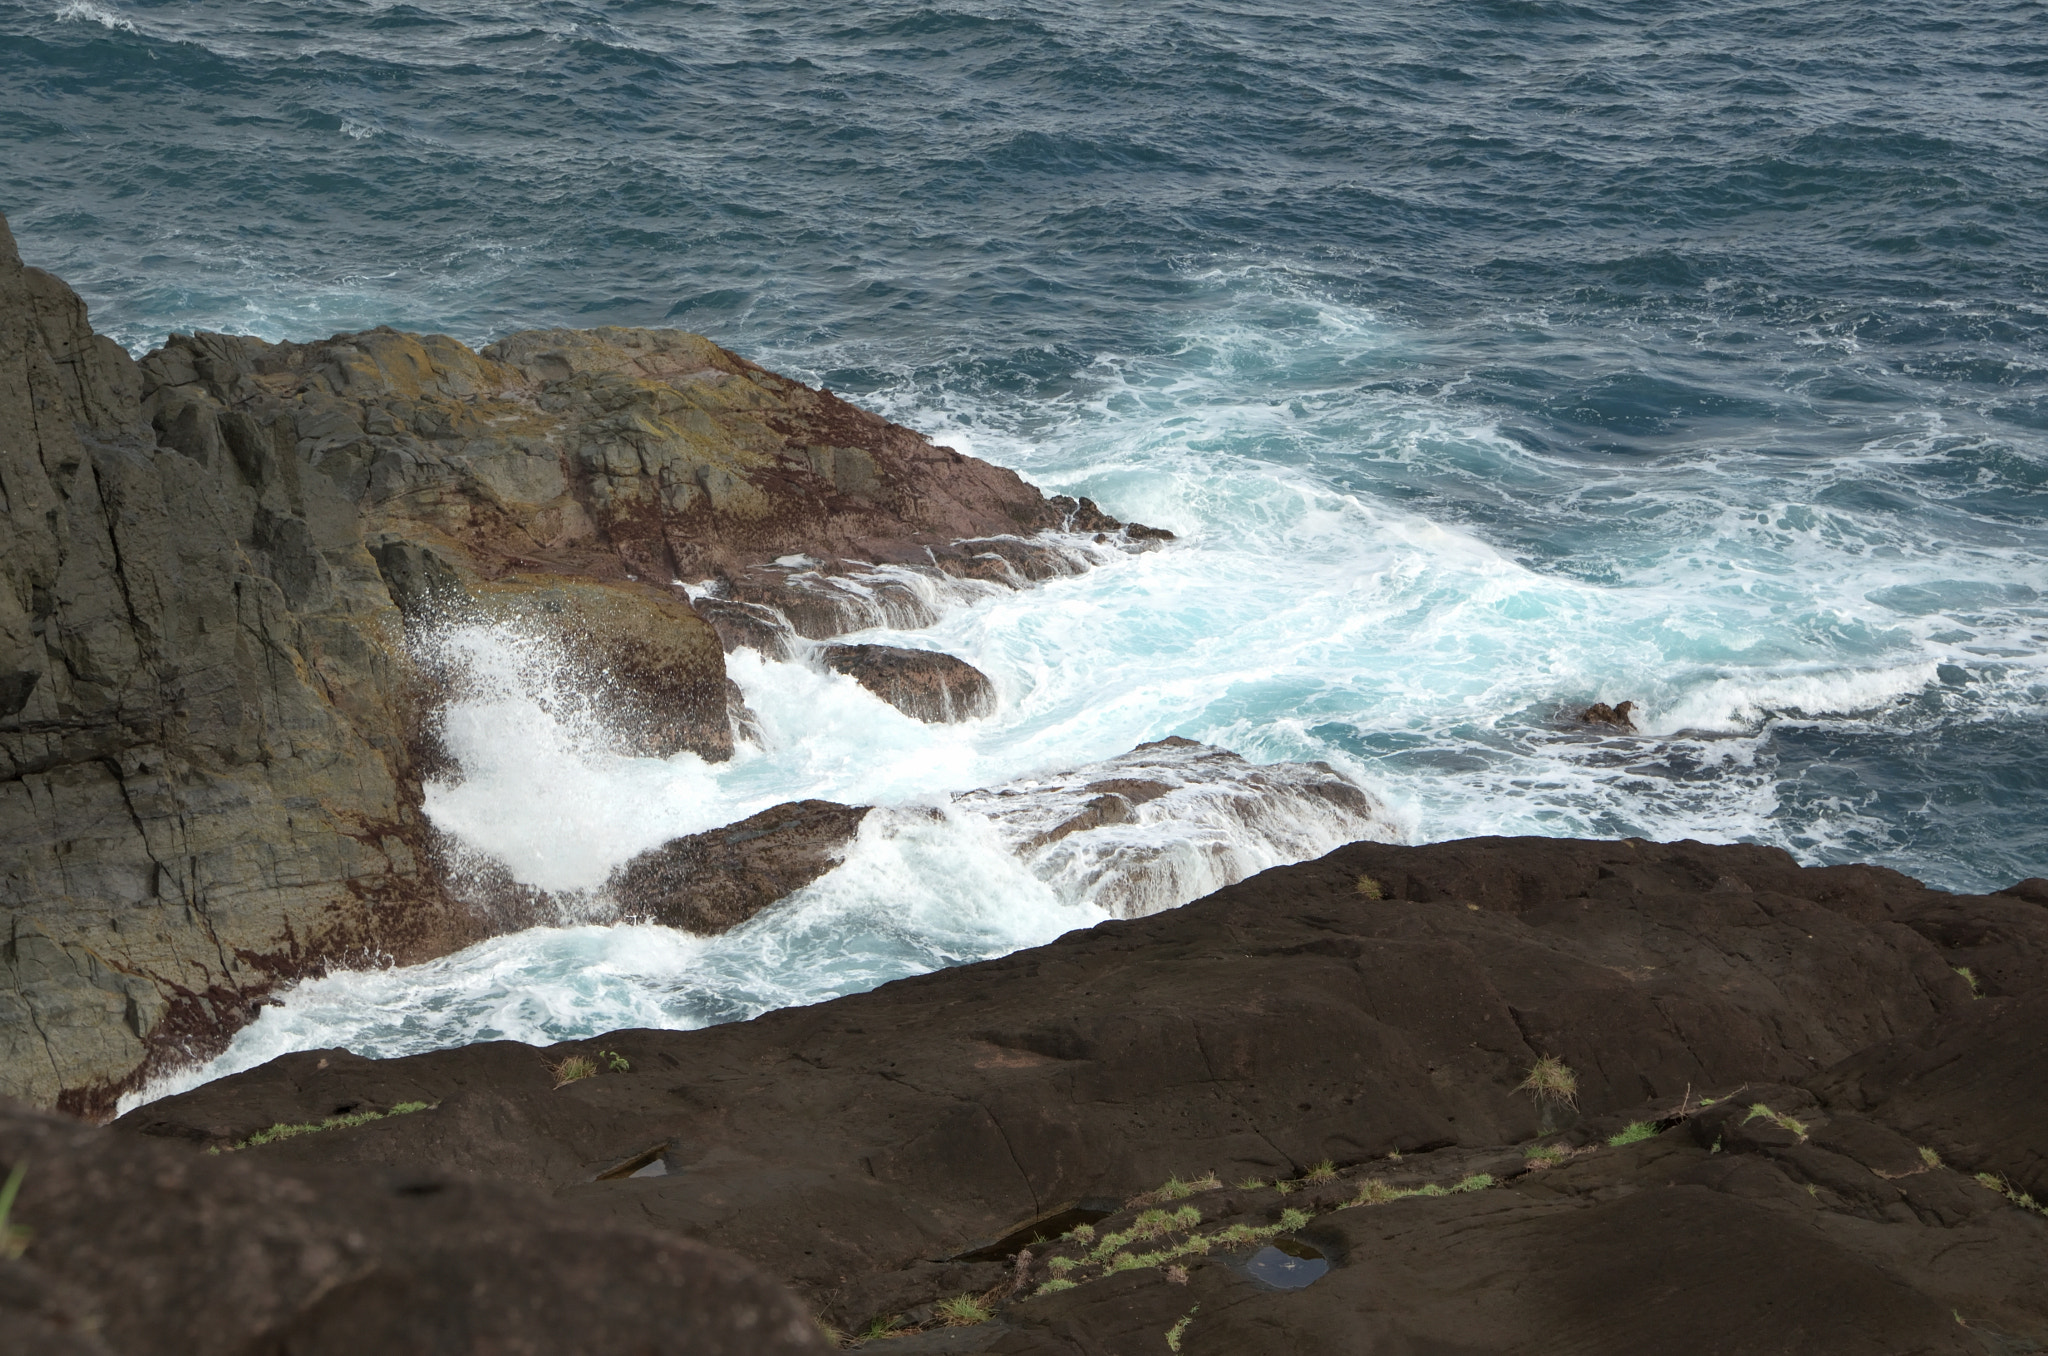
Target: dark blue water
<point>1493,358</point>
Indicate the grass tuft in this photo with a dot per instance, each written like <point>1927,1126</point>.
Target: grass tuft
<point>1060,1266</point>
<point>1179,1329</point>
<point>573,1069</point>
<point>1758,1111</point>
<point>1293,1219</point>
<point>1547,1156</point>
<point>1551,1080</point>
<point>13,1237</point>
<point>1054,1286</point>
<point>1082,1233</point>
<point>1325,1171</point>
<point>615,1061</point>
<point>962,1311</point>
<point>1478,1181</point>
<point>1634,1133</point>
<point>1929,1157</point>
<point>1976,989</point>
<point>1370,888</point>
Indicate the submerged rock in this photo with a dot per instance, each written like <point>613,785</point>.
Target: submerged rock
<point>709,882</point>
<point>1172,820</point>
<point>932,687</point>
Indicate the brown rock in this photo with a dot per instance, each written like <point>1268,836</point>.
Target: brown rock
<point>1600,713</point>
<point>709,882</point>
<point>851,1146</point>
<point>219,1255</point>
<point>934,688</point>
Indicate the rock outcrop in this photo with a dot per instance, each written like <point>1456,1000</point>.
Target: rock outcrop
<point>710,882</point>
<point>923,684</point>
<point>1350,1039</point>
<point>229,576</point>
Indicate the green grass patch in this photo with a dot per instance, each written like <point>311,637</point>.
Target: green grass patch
<point>1180,1328</point>
<point>1635,1132</point>
<point>961,1311</point>
<point>354,1118</point>
<point>1759,1112</point>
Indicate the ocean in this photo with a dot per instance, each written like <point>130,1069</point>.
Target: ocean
<point>1490,359</point>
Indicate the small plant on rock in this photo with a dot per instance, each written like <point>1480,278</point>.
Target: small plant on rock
<point>1551,1080</point>
<point>1976,989</point>
<point>1375,1191</point>
<point>1060,1266</point>
<point>1370,888</point>
<point>1929,1157</point>
<point>1082,1233</point>
<point>573,1069</point>
<point>615,1061</point>
<point>1294,1219</point>
<point>1634,1133</point>
<point>1325,1171</point>
<point>1547,1156</point>
<point>1179,1329</point>
<point>1054,1286</point>
<point>961,1311</point>
<point>1758,1111</point>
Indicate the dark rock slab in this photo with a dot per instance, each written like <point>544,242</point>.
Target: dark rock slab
<point>709,882</point>
<point>932,687</point>
<point>1974,1088</point>
<point>1295,1017</point>
<point>143,1248</point>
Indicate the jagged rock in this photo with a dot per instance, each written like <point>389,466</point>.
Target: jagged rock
<point>205,779</point>
<point>229,575</point>
<point>1600,713</point>
<point>1379,1008</point>
<point>709,882</point>
<point>932,687</point>
<point>217,1255</point>
<point>1171,821</point>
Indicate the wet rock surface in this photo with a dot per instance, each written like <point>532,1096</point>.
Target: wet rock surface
<point>231,575</point>
<point>710,882</point>
<point>1172,820</point>
<point>932,687</point>
<point>1349,1039</point>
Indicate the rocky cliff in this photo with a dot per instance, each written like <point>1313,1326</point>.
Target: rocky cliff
<point>222,571</point>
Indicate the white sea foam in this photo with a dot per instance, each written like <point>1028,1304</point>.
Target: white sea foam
<point>1334,595</point>
<point>84,11</point>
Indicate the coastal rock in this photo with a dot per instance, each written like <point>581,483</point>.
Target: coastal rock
<point>709,882</point>
<point>1171,821</point>
<point>1600,713</point>
<point>1380,1008</point>
<point>932,687</point>
<point>242,577</point>
<point>219,1255</point>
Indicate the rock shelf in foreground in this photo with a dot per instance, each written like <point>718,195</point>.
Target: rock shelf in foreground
<point>1347,1039</point>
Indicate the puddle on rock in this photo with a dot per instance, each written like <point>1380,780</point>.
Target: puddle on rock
<point>1286,1264</point>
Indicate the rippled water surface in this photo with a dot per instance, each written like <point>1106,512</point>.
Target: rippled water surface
<point>1490,358</point>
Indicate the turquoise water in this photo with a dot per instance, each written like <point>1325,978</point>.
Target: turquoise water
<point>1490,358</point>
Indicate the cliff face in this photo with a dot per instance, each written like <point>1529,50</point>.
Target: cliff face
<point>219,566</point>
